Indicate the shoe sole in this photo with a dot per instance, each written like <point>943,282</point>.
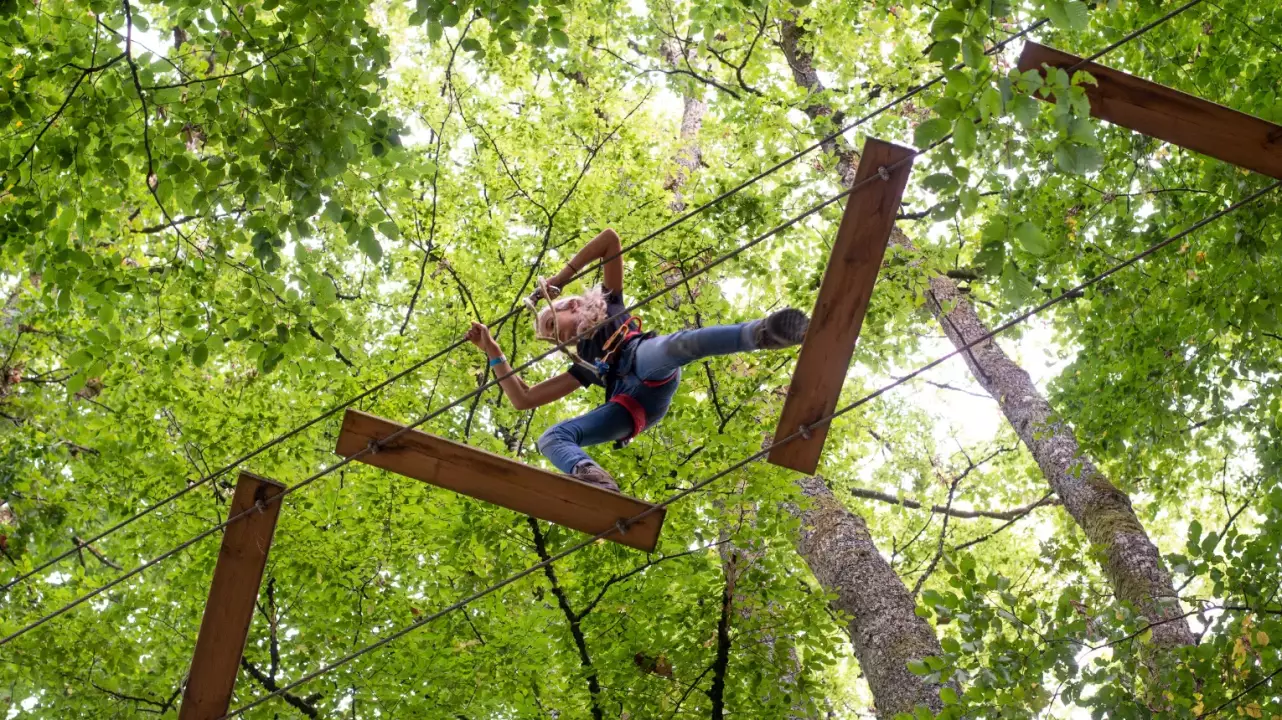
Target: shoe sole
<point>788,326</point>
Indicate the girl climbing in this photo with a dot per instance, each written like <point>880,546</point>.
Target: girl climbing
<point>639,370</point>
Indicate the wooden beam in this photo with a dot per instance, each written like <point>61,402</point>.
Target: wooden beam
<point>498,480</point>
<point>843,300</point>
<point>230,607</point>
<point>1170,115</point>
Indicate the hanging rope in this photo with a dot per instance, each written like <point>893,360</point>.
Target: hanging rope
<point>1018,319</point>
<point>232,465</point>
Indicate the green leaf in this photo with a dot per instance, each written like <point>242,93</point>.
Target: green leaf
<point>965,138</point>
<point>1025,109</point>
<point>917,667</point>
<point>560,39</point>
<point>389,230</point>
<point>1078,159</point>
<point>973,53</point>
<point>1031,237</point>
<point>1076,15</point>
<point>77,382</point>
<point>368,244</point>
<point>471,45</point>
<point>333,211</point>
<point>990,103</point>
<point>948,107</point>
<point>945,52</point>
<point>940,183</point>
<point>1019,287</point>
<point>449,16</point>
<point>931,131</point>
<point>948,696</point>
<point>199,354</point>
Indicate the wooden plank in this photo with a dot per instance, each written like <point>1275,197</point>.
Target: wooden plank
<point>1170,115</point>
<point>843,300</point>
<point>498,480</point>
<point>230,607</point>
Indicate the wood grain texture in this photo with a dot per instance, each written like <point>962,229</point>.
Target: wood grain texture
<point>1170,115</point>
<point>843,301</point>
<point>498,480</point>
<point>232,594</point>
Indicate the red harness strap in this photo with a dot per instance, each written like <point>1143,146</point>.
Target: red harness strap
<point>634,409</point>
<point>661,383</point>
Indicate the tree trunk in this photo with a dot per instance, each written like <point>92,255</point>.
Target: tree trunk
<point>1132,563</point>
<point>801,62</point>
<point>690,156</point>
<point>883,628</point>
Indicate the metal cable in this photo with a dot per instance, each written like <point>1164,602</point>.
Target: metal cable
<point>760,454</point>
<point>504,318</point>
<point>884,174</point>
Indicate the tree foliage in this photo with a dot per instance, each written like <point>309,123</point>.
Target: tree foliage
<point>219,220</point>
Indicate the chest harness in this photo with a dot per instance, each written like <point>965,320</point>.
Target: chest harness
<point>601,367</point>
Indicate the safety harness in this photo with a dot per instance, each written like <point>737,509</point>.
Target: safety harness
<point>601,368</point>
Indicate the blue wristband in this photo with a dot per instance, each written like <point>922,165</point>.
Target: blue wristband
<point>495,362</point>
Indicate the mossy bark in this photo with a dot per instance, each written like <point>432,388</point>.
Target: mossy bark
<point>884,629</point>
<point>1131,562</point>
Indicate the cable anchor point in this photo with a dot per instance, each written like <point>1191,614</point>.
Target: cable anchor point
<point>883,173</point>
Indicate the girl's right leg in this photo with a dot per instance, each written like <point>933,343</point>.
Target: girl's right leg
<point>563,443</point>
<point>657,358</point>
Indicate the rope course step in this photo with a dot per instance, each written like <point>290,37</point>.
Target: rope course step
<point>1167,114</point>
<point>498,480</point>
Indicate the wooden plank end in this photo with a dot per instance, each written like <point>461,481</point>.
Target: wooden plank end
<point>844,295</point>
<point>499,480</point>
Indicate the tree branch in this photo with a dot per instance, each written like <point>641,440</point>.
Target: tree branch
<point>716,693</point>
<point>84,73</point>
<point>304,705</point>
<point>636,571</point>
<point>580,642</point>
<point>96,553</point>
<point>1012,514</point>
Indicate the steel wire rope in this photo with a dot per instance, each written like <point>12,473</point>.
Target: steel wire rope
<point>883,173</point>
<point>232,465</point>
<point>799,433</point>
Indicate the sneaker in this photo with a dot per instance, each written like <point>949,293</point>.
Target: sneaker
<point>781,329</point>
<point>592,474</point>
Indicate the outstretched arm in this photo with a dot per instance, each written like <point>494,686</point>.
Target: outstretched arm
<point>605,245</point>
<point>522,396</point>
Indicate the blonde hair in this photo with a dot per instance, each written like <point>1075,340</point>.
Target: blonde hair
<point>589,311</point>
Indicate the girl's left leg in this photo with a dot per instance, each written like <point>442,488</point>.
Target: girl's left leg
<point>563,443</point>
<point>657,358</point>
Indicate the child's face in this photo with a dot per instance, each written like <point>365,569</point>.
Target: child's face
<point>568,323</point>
